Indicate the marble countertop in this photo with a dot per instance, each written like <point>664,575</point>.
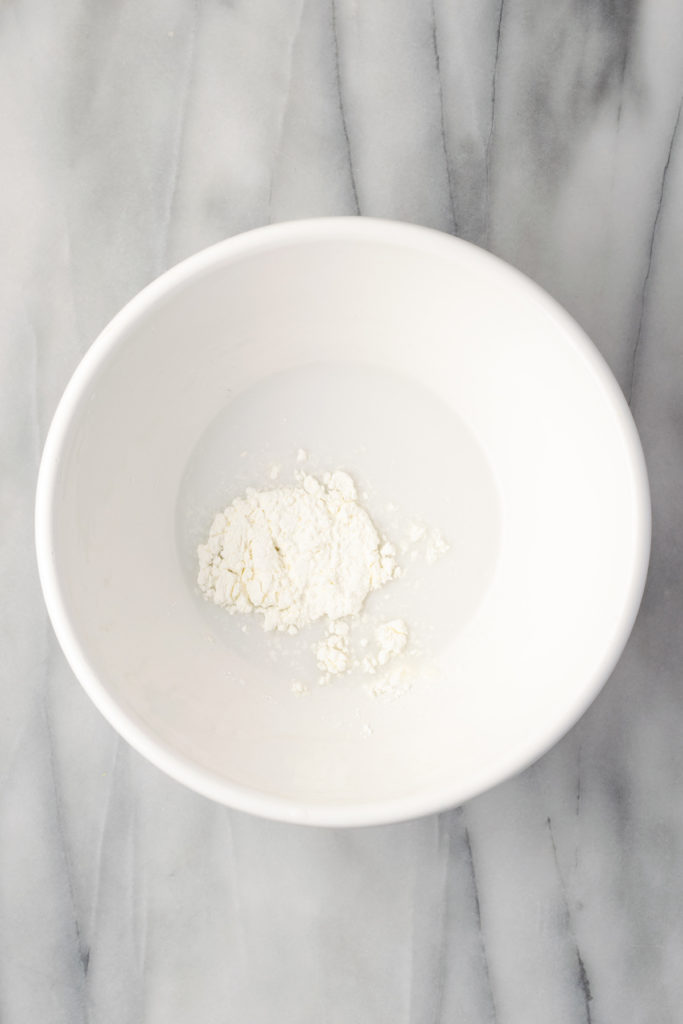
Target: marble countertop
<point>133,134</point>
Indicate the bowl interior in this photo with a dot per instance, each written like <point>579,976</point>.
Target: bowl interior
<point>455,393</point>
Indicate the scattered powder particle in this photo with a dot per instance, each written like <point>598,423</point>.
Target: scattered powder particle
<point>274,471</point>
<point>391,638</point>
<point>301,455</point>
<point>392,684</point>
<point>436,546</point>
<point>332,653</point>
<point>299,688</point>
<point>431,542</point>
<point>416,532</point>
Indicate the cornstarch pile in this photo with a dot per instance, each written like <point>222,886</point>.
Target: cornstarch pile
<point>299,554</point>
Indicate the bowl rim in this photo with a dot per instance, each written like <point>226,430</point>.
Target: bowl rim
<point>143,738</point>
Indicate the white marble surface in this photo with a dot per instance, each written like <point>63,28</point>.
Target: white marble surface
<point>134,133</point>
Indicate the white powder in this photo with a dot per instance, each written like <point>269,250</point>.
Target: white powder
<point>392,684</point>
<point>416,532</point>
<point>295,554</point>
<point>299,554</point>
<point>429,540</point>
<point>332,653</point>
<point>436,546</point>
<point>391,638</point>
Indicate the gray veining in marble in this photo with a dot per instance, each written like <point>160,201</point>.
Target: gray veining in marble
<point>133,134</point>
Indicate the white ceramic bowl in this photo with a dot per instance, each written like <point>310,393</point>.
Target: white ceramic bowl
<point>450,386</point>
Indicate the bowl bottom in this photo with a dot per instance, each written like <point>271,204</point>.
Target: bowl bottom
<point>422,465</point>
